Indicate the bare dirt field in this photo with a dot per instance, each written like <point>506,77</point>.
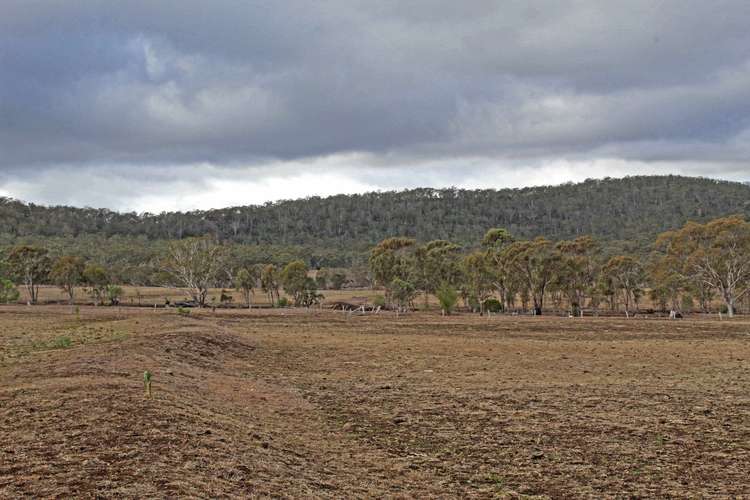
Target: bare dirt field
<point>294,403</point>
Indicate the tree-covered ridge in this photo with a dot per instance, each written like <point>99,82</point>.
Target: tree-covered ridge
<point>634,209</point>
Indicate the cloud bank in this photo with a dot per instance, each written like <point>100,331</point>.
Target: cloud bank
<point>189,104</point>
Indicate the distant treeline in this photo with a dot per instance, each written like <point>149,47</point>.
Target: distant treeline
<point>692,267</point>
<point>689,269</point>
<point>624,214</point>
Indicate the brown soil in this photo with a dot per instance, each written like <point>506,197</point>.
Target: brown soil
<point>330,404</point>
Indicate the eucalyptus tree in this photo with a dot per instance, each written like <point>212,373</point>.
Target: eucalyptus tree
<point>30,265</point>
<point>628,277</point>
<point>715,254</point>
<point>269,282</point>
<point>97,278</point>
<point>667,282</point>
<point>504,280</point>
<point>476,286</point>
<point>536,262</point>
<point>67,273</point>
<point>294,279</point>
<point>246,279</point>
<point>389,260</point>
<point>436,264</point>
<point>193,264</point>
<point>578,270</point>
<point>403,293</point>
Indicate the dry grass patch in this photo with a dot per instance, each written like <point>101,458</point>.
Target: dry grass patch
<point>315,403</point>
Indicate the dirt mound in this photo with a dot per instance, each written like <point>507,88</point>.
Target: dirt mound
<point>76,423</point>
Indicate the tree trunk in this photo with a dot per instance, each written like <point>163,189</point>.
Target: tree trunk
<point>33,291</point>
<point>627,304</point>
<point>730,307</point>
<point>538,304</point>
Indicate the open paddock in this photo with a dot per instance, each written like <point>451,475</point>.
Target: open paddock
<point>318,403</point>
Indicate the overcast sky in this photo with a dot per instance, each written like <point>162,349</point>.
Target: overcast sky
<point>159,105</point>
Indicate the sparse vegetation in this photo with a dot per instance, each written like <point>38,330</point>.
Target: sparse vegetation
<point>147,377</point>
<point>61,342</point>
<point>368,395</point>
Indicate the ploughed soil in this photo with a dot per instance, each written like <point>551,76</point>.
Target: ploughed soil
<point>297,403</point>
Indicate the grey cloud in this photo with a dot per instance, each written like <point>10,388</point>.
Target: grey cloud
<point>89,84</point>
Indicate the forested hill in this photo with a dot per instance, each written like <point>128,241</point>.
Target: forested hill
<point>633,208</point>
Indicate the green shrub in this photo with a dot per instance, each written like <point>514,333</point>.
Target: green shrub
<point>282,302</point>
<point>378,301</point>
<point>183,312</point>
<point>448,297</point>
<point>8,292</point>
<point>493,305</point>
<point>225,298</point>
<point>114,293</point>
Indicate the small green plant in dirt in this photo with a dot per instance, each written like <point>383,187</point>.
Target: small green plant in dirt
<point>61,342</point>
<point>183,311</point>
<point>495,479</point>
<point>147,377</point>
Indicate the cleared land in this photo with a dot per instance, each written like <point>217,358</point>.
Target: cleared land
<point>318,403</point>
<point>149,296</point>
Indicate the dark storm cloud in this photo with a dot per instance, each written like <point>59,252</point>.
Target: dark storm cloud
<point>96,84</point>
